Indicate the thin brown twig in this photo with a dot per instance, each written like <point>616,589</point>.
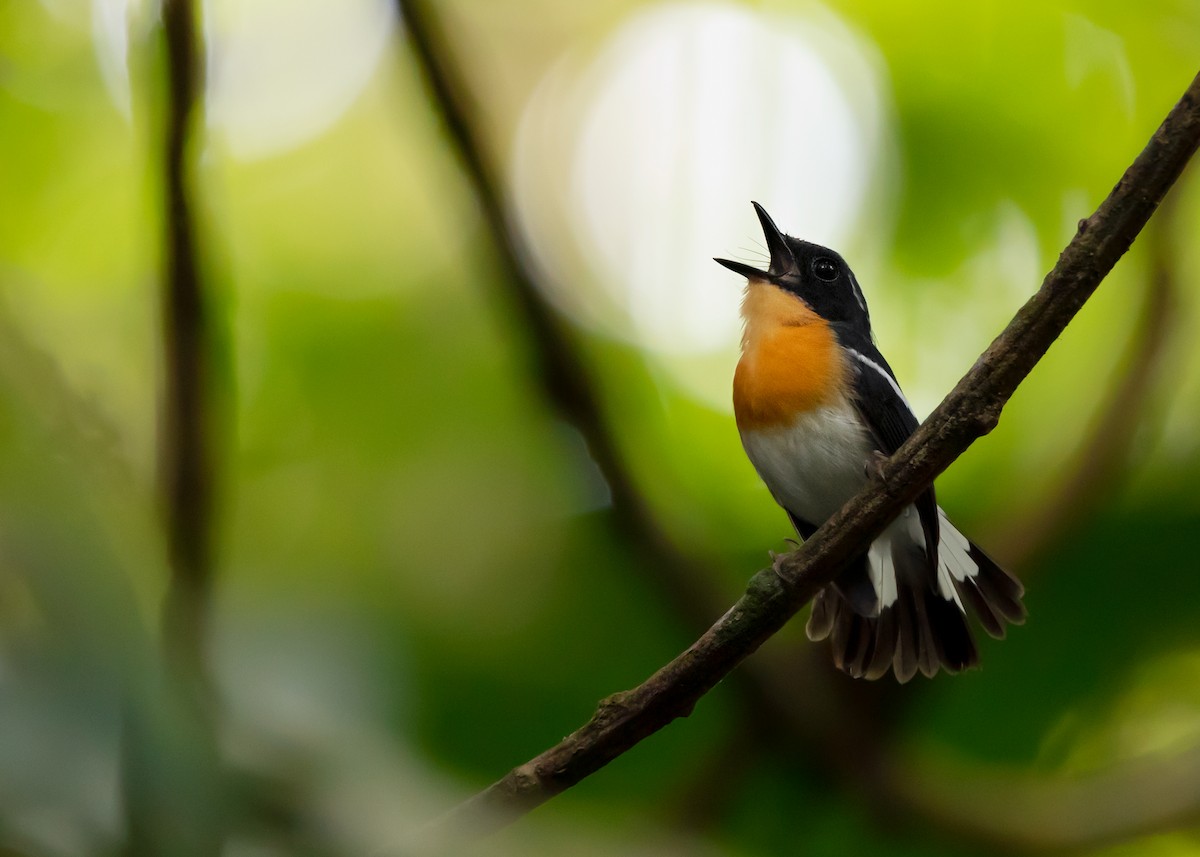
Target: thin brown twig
<point>774,595</point>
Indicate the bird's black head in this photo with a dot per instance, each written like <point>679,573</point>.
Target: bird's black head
<point>815,274</point>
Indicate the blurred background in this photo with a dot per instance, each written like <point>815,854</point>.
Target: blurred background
<point>462,482</point>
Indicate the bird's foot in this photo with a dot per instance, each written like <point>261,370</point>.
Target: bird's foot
<point>779,566</point>
<point>874,465</point>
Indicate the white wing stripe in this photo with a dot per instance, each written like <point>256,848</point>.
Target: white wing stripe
<point>868,362</point>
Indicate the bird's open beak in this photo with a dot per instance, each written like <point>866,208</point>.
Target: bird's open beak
<point>782,260</point>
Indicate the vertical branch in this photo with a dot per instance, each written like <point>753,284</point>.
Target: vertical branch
<point>174,794</point>
<point>184,443</point>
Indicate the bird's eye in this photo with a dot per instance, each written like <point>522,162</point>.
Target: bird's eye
<point>826,269</point>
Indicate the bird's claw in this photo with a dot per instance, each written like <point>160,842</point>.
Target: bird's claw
<point>874,466</point>
<point>777,566</point>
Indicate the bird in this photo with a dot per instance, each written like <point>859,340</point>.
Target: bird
<point>817,408</point>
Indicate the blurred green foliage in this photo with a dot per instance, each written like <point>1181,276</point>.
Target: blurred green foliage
<point>421,583</point>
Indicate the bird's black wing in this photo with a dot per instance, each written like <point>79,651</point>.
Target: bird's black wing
<point>883,408</point>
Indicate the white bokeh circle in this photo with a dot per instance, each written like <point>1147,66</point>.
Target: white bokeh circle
<point>278,73</point>
<point>635,167</point>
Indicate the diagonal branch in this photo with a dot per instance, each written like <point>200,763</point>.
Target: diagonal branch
<point>774,595</point>
<point>556,357</point>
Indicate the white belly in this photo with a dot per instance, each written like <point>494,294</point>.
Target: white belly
<point>813,466</point>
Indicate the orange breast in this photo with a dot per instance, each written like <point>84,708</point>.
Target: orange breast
<point>790,360</point>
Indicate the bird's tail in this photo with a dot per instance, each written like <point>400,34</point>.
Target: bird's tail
<point>886,612</point>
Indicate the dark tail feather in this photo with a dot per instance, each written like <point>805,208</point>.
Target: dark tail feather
<point>853,642</point>
<point>991,620</point>
<point>955,648</point>
<point>907,655</point>
<point>924,629</point>
<point>862,646</point>
<point>824,613</point>
<point>1000,590</point>
<point>925,643</point>
<point>884,650</point>
<point>921,632</point>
